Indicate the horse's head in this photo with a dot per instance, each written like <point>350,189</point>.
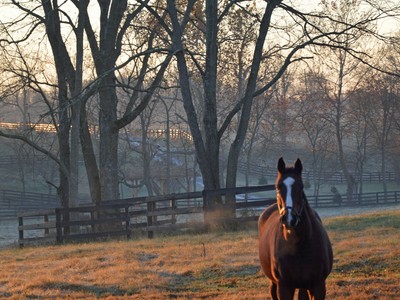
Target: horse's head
<point>290,194</point>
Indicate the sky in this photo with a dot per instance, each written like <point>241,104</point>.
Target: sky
<point>8,12</point>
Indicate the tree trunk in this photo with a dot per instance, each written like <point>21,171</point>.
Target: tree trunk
<point>237,144</point>
<point>187,97</point>
<point>108,139</point>
<point>212,141</point>
<point>338,128</point>
<point>63,142</point>
<point>89,157</point>
<point>76,108</point>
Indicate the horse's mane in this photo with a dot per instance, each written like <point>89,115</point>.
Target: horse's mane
<point>309,208</point>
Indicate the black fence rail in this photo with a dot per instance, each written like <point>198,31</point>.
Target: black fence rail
<point>365,199</point>
<point>14,160</point>
<point>113,218</point>
<point>13,201</point>
<point>339,177</point>
<point>124,217</point>
<point>37,227</point>
<point>332,177</point>
<point>162,213</point>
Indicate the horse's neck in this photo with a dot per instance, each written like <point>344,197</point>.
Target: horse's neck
<point>306,222</point>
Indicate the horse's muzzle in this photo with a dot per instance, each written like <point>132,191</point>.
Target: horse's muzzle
<point>294,219</point>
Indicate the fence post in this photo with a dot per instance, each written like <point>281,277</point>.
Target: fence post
<point>150,233</point>
<point>46,220</point>
<point>127,223</point>
<point>92,217</point>
<point>172,205</point>
<point>59,237</point>
<point>205,206</point>
<point>21,231</point>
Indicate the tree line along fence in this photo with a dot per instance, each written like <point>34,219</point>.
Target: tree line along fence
<point>155,214</point>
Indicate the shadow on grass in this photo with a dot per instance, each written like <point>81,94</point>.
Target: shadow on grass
<point>206,283</point>
<point>215,280</point>
<point>95,290</point>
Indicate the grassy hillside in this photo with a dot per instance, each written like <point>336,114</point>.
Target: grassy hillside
<point>215,265</point>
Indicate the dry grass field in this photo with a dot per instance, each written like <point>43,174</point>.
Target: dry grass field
<point>200,266</point>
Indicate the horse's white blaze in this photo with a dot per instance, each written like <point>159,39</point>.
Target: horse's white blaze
<point>288,182</point>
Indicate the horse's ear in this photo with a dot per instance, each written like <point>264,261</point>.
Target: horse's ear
<point>281,165</point>
<point>298,166</point>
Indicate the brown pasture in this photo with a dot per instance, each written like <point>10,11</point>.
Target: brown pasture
<point>201,266</point>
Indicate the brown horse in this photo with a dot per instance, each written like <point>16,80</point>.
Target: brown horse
<point>294,248</point>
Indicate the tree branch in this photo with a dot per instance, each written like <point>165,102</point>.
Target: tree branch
<point>36,147</point>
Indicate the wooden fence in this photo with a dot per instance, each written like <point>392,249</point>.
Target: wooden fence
<point>156,214</point>
<point>365,199</point>
<point>149,214</point>
<point>333,177</point>
<point>13,201</point>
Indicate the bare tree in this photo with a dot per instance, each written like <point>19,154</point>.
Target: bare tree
<point>107,46</point>
<point>311,107</point>
<point>341,68</point>
<point>386,96</point>
<point>306,29</point>
<point>361,113</point>
<point>253,137</point>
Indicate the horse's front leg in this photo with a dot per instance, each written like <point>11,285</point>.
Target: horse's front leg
<point>303,295</point>
<point>273,291</point>
<point>318,292</point>
<point>285,292</point>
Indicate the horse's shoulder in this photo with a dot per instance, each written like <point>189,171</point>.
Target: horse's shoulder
<point>266,214</point>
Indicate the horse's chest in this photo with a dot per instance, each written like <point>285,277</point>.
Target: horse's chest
<point>292,261</point>
<point>296,264</point>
